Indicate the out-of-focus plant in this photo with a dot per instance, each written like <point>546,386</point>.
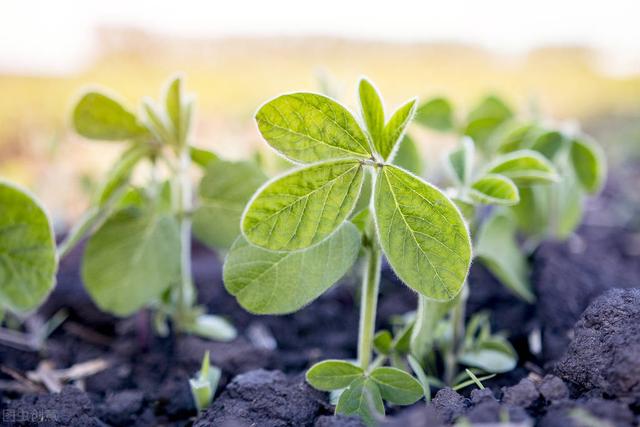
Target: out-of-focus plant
<point>299,235</point>
<point>205,383</point>
<point>138,252</point>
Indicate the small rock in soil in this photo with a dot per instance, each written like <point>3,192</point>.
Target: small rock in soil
<point>604,353</point>
<point>522,394</point>
<point>69,408</point>
<point>449,404</point>
<point>553,389</point>
<point>266,399</point>
<point>338,421</point>
<point>491,411</point>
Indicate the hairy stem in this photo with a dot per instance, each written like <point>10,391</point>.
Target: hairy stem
<point>369,304</point>
<point>458,327</point>
<point>186,292</point>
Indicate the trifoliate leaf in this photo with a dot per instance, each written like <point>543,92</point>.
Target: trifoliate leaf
<point>397,386</point>
<point>395,129</point>
<point>302,208</point>
<point>422,234</point>
<point>331,375</point>
<point>372,111</point>
<point>307,127</point>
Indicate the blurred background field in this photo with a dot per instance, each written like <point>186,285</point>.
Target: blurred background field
<point>232,76</point>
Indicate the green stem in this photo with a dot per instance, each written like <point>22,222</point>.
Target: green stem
<point>186,291</point>
<point>369,304</point>
<point>458,326</point>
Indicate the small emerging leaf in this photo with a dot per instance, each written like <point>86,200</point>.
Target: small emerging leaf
<point>267,282</point>
<point>397,386</point>
<point>436,113</point>
<point>307,127</point>
<point>27,250</point>
<point>202,157</point>
<point>97,116</point>
<point>483,120</point>
<point>395,129</point>
<point>493,189</point>
<point>302,208</point>
<point>460,161</point>
<point>372,111</point>
<point>383,342</point>
<point>525,167</point>
<point>333,374</point>
<point>362,398</point>
<point>422,233</point>
<point>588,162</point>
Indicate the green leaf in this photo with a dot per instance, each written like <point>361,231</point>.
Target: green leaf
<point>383,342</point>
<point>361,220</point>
<point>408,156</point>
<point>483,120</point>
<point>588,163</point>
<point>524,167</point>
<point>333,374</point>
<point>131,260</point>
<point>97,116</point>
<point>362,398</point>
<point>548,144</point>
<point>436,113</point>
<point>512,136</point>
<point>268,282</point>
<point>372,111</point>
<point>422,377</point>
<point>498,250</point>
<point>224,191</point>
<point>121,171</point>
<point>493,189</point>
<point>173,105</point>
<point>422,234</point>
<point>27,250</point>
<point>307,127</point>
<point>460,162</point>
<point>397,386</point>
<point>494,355</point>
<point>395,129</point>
<point>303,207</point>
<point>202,157</point>
<point>212,327</point>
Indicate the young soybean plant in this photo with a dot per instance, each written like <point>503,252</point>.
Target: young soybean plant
<point>28,260</point>
<point>139,249</point>
<point>297,239</point>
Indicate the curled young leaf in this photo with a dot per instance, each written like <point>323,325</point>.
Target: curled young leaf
<point>131,260</point>
<point>268,282</point>
<point>397,386</point>
<point>224,191</point>
<point>524,167</point>
<point>436,113</point>
<point>303,207</point>
<point>494,189</point>
<point>331,375</point>
<point>588,163</point>
<point>27,250</point>
<point>307,127</point>
<point>422,233</point>
<point>97,116</point>
<point>460,161</point>
<point>395,129</point>
<point>362,398</point>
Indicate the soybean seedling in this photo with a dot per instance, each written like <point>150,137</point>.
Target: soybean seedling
<point>297,238</point>
<point>138,253</point>
<point>204,385</point>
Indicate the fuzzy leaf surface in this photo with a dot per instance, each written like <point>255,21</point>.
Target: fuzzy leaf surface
<point>97,116</point>
<point>131,260</point>
<point>422,233</point>
<point>224,191</point>
<point>395,128</point>
<point>308,127</point>
<point>372,111</point>
<point>494,189</point>
<point>362,398</point>
<point>28,259</point>
<point>268,282</point>
<point>304,207</point>
<point>331,375</point>
<point>397,386</point>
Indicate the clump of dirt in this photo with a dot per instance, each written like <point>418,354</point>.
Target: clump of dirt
<point>605,351</point>
<point>266,399</point>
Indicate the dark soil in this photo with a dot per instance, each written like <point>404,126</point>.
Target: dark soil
<point>146,383</point>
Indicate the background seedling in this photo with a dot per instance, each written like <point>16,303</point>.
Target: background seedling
<point>139,249</point>
<point>205,383</point>
<point>300,219</point>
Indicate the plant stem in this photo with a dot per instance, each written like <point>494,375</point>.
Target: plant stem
<point>458,326</point>
<point>186,292</point>
<point>369,304</point>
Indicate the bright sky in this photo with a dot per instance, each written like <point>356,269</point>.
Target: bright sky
<point>54,36</point>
